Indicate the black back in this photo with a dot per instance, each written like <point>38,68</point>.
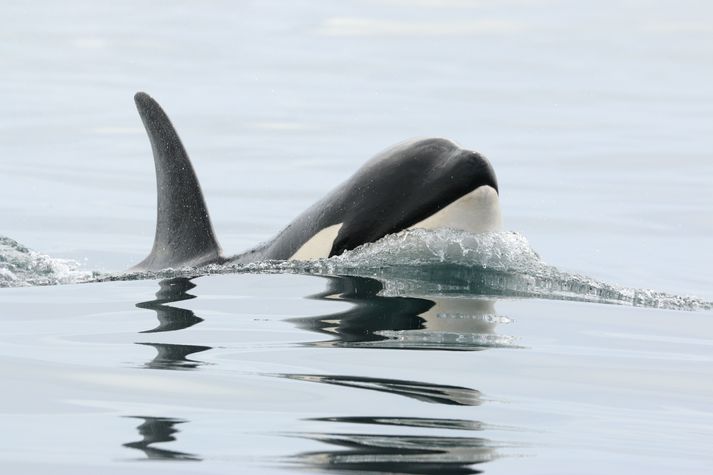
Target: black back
<point>394,191</point>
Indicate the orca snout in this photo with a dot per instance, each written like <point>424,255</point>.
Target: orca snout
<point>480,171</point>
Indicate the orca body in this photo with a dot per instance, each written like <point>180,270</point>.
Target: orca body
<point>429,183</point>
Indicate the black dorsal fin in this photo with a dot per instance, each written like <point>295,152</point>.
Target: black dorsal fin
<point>184,235</point>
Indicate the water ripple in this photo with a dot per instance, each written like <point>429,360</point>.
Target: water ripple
<point>440,262</point>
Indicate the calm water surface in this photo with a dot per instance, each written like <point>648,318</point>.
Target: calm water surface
<point>598,119</point>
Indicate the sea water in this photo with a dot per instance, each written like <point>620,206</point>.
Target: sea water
<point>577,341</point>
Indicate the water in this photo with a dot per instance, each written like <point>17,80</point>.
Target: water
<point>580,343</point>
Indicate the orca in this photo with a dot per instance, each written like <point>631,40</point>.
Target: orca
<point>426,183</point>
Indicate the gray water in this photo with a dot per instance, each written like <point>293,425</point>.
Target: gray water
<point>577,342</point>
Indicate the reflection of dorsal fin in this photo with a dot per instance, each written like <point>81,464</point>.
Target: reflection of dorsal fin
<point>184,235</point>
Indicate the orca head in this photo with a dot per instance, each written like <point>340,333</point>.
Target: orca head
<point>431,184</point>
<point>477,209</point>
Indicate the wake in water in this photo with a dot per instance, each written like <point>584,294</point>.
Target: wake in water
<point>21,267</point>
<point>419,262</point>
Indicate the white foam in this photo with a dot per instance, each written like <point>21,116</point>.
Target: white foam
<point>20,266</point>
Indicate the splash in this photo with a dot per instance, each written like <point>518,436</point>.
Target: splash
<point>458,263</point>
<point>20,266</point>
<point>500,252</point>
<point>413,262</point>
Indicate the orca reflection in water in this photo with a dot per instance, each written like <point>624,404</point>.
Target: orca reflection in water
<point>407,454</point>
<point>172,318</point>
<point>404,322</point>
<point>154,430</point>
<point>426,392</point>
<point>172,356</point>
<point>424,422</point>
<point>429,184</point>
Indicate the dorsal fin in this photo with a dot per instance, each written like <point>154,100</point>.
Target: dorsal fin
<point>184,235</point>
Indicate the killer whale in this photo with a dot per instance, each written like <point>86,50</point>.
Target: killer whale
<point>426,183</point>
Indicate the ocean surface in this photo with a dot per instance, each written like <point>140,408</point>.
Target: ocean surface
<point>578,340</point>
